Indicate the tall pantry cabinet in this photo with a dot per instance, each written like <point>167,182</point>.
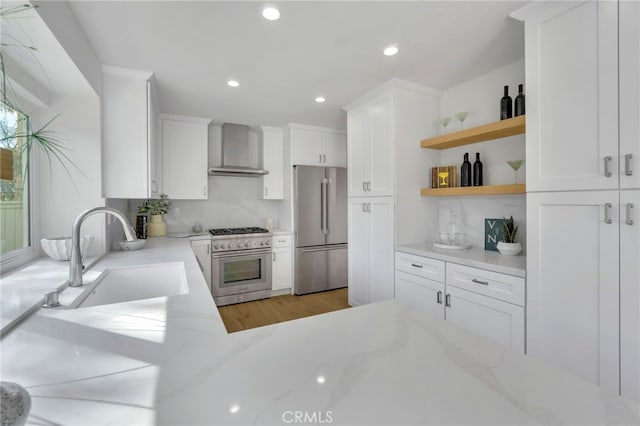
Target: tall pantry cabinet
<point>583,188</point>
<point>386,169</point>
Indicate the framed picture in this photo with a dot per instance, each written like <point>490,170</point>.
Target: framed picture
<point>492,233</point>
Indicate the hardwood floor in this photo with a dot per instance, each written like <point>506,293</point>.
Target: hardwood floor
<point>258,313</point>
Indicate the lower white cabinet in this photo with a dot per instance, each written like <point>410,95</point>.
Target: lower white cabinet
<point>487,303</point>
<point>202,250</point>
<point>282,257</point>
<point>185,147</point>
<point>370,249</point>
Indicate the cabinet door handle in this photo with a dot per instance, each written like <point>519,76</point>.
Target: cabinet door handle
<point>369,186</point>
<point>627,164</point>
<point>369,207</point>
<point>319,158</point>
<point>447,300</point>
<point>364,186</point>
<point>439,297</point>
<point>208,248</point>
<point>607,213</point>
<point>480,282</point>
<point>324,158</point>
<point>607,166</point>
<point>415,265</point>
<point>364,207</point>
<point>274,256</point>
<point>629,220</point>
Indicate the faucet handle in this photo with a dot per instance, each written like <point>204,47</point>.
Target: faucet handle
<point>51,299</point>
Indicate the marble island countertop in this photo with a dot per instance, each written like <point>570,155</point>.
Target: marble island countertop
<point>169,360</point>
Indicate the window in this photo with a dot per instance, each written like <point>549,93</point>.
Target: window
<point>14,183</point>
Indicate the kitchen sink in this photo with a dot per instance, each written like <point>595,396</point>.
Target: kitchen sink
<point>119,285</point>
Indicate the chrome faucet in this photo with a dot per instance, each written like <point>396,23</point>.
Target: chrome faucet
<point>75,266</point>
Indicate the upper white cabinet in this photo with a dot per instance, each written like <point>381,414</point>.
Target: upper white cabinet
<point>317,146</point>
<point>370,250</point>
<point>370,148</point>
<point>131,153</point>
<point>629,95</point>
<point>272,160</point>
<point>185,153</point>
<point>572,96</point>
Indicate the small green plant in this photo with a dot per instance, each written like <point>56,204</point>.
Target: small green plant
<point>155,206</point>
<point>509,230</point>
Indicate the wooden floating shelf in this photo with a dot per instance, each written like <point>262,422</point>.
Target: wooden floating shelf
<point>518,188</point>
<point>496,130</point>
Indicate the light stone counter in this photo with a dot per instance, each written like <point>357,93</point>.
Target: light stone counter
<point>475,256</point>
<point>170,361</point>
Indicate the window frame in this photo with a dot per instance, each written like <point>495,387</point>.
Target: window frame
<point>9,262</point>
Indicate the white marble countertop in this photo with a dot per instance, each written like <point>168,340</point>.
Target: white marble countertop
<point>170,361</point>
<point>475,256</point>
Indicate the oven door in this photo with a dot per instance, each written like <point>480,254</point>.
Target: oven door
<point>240,272</point>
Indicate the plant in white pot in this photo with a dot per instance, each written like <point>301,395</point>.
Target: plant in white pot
<point>155,208</point>
<point>508,246</point>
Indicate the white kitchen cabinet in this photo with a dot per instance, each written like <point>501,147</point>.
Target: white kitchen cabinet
<point>131,154</point>
<point>202,250</point>
<point>282,257</point>
<point>272,160</point>
<point>419,292</point>
<point>496,320</point>
<point>573,282</point>
<point>317,146</point>
<point>370,148</point>
<point>370,250</point>
<point>572,96</point>
<point>630,294</point>
<point>487,303</point>
<point>629,95</point>
<point>185,142</point>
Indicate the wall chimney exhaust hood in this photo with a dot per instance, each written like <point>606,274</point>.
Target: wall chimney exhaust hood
<point>235,153</point>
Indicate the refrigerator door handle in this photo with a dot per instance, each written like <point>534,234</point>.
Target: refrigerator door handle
<point>322,197</point>
<point>324,214</point>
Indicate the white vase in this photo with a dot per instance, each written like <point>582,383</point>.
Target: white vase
<point>509,249</point>
<point>156,227</point>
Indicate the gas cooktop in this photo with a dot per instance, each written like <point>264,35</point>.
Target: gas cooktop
<point>238,231</point>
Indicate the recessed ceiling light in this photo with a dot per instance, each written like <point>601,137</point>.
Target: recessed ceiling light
<point>233,83</point>
<point>234,408</point>
<point>320,379</point>
<point>390,51</point>
<point>320,99</point>
<point>271,13</point>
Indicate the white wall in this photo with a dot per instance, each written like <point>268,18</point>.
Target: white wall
<point>63,194</point>
<point>232,201</point>
<point>480,97</point>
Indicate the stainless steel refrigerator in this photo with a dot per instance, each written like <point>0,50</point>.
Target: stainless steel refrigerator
<point>320,203</point>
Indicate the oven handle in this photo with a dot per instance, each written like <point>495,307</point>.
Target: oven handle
<point>323,248</point>
<point>239,253</point>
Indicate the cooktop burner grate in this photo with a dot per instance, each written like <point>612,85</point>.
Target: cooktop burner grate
<point>238,231</point>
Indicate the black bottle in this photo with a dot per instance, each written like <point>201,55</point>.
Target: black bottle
<point>506,105</point>
<point>519,104</point>
<point>465,171</point>
<point>477,171</point>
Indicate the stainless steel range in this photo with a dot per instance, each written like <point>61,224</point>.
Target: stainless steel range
<point>240,264</point>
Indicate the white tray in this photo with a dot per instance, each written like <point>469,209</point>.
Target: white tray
<point>451,246</point>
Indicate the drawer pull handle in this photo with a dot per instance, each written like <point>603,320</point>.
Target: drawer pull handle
<point>416,266</point>
<point>439,297</point>
<point>480,282</point>
<point>627,165</point>
<point>607,166</point>
<point>282,241</point>
<point>447,300</point>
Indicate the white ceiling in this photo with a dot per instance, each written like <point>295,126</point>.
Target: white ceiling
<point>333,49</point>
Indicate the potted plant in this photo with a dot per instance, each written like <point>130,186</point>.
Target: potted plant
<point>155,208</point>
<point>508,246</point>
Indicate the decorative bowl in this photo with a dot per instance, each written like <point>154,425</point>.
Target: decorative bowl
<point>509,249</point>
<point>131,245</point>
<point>59,248</point>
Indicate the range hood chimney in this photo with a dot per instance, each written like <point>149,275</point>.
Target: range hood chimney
<point>235,153</point>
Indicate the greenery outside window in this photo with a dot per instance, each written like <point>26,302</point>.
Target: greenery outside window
<point>14,183</point>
